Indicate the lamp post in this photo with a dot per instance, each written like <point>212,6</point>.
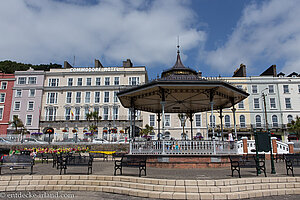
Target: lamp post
<point>265,107</point>
<point>109,129</point>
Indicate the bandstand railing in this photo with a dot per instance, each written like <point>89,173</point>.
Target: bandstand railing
<point>183,147</point>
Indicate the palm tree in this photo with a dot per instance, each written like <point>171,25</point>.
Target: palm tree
<point>147,130</point>
<point>96,118</point>
<point>18,125</point>
<point>294,126</point>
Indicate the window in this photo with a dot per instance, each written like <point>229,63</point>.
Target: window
<point>28,120</point>
<point>87,97</point>
<point>70,81</point>
<point>152,120</point>
<point>96,109</point>
<point>32,80</point>
<point>1,113</point>
<point>78,97</point>
<point>77,113</point>
<point>69,97</point>
<point>18,93</point>
<point>115,97</point>
<point>254,89</point>
<point>88,81</point>
<point>31,93</point>
<point>256,102</point>
<point>286,89</point>
<point>105,113</point>
<point>98,81</point>
<point>17,106</point>
<point>67,113</point>
<point>30,105</point>
<point>53,82</point>
<point>79,81</point>
<point>117,81</point>
<point>50,114</point>
<point>212,123</point>
<point>241,105</point>
<point>106,97</point>
<point>289,118</point>
<point>22,80</point>
<point>86,111</point>
<point>97,97</point>
<point>227,121</point>
<point>134,80</point>
<point>258,120</point>
<point>299,88</point>
<point>115,112</point>
<point>3,85</point>
<point>198,120</point>
<point>167,120</point>
<point>271,89</point>
<point>2,97</point>
<point>52,98</point>
<point>288,103</point>
<point>272,103</point>
<point>107,81</point>
<point>242,121</point>
<point>275,121</point>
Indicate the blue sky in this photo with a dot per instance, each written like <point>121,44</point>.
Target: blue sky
<point>216,36</point>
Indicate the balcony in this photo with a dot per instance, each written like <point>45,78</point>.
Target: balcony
<point>83,118</point>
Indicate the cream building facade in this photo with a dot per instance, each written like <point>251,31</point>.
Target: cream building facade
<point>70,93</point>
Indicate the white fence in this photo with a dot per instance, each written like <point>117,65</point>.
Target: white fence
<point>183,147</point>
<point>282,148</point>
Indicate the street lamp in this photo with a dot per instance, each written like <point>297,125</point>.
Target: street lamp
<point>265,107</point>
<point>109,129</point>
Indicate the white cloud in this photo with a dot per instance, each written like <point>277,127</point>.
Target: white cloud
<point>43,31</point>
<point>266,33</point>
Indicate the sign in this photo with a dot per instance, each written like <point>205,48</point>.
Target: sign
<point>91,69</point>
<point>48,130</point>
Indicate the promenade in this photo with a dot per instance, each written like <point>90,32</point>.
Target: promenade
<point>207,183</point>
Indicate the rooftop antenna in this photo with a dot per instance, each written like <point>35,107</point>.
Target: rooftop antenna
<point>178,44</point>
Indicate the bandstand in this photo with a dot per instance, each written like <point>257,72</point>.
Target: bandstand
<point>182,90</point>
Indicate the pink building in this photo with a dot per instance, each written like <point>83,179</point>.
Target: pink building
<point>6,93</point>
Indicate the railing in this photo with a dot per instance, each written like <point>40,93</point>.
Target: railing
<point>83,118</point>
<point>183,147</point>
<point>282,148</point>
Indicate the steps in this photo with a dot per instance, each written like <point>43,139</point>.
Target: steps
<point>156,188</point>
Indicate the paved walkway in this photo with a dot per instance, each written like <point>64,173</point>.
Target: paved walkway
<point>106,169</point>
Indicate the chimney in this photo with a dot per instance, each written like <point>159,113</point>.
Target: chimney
<point>98,64</point>
<point>240,72</point>
<point>67,65</point>
<point>127,63</point>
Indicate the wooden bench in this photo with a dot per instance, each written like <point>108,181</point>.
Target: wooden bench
<point>130,161</point>
<point>117,155</point>
<point>248,161</point>
<point>99,155</point>
<point>75,161</point>
<point>44,157</point>
<point>291,161</point>
<point>22,160</point>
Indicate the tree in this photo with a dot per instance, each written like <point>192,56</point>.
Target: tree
<point>18,125</point>
<point>294,126</point>
<point>146,131</point>
<point>93,117</point>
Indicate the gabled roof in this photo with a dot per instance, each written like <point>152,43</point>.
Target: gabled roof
<point>271,71</point>
<point>292,74</point>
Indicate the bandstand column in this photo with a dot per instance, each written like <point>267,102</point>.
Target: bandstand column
<point>163,102</point>
<point>212,119</point>
<point>191,120</point>
<point>221,120</point>
<point>234,121</point>
<point>158,123</point>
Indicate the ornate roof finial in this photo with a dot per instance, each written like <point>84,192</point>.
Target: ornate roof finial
<point>178,44</point>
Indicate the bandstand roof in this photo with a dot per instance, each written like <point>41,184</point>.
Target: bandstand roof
<point>183,91</point>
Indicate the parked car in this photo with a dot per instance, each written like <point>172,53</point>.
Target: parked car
<point>4,140</point>
<point>99,141</point>
<point>121,141</point>
<point>33,141</point>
